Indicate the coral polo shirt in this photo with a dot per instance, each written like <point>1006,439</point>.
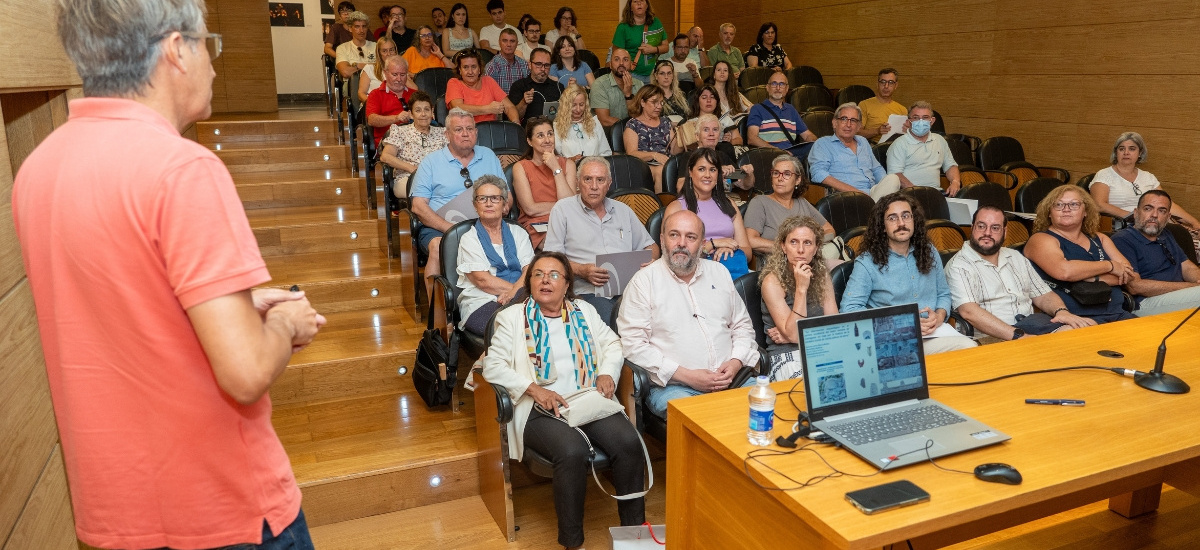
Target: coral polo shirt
<point>124,225</point>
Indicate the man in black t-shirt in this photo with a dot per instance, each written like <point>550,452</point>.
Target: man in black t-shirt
<point>530,94</point>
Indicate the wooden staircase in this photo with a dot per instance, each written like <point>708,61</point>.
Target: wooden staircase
<point>362,443</point>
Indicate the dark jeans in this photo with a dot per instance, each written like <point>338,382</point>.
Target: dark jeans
<point>293,537</point>
<point>562,445</point>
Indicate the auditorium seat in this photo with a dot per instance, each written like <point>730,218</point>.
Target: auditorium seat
<point>808,96</point>
<point>1033,191</point>
<point>616,134</point>
<point>932,201</point>
<point>804,74</point>
<point>654,224</point>
<point>506,139</point>
<point>643,203</point>
<point>447,283</point>
<point>961,152</point>
<point>756,94</point>
<point>754,76</point>
<point>629,172</point>
<point>845,209</point>
<point>939,125</point>
<point>853,94</point>
<point>820,123</point>
<point>761,158</point>
<point>433,81</point>
<point>945,235</point>
<point>880,151</point>
<point>840,276</point>
<point>585,56</point>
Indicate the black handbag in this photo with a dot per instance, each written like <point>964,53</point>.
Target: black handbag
<point>434,383</point>
<point>1090,293</point>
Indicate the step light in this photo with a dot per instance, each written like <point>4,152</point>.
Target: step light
<point>354,235</point>
<point>375,294</point>
<point>326,157</point>
<point>316,128</point>
<point>403,370</point>
<point>217,132</point>
<point>435,481</point>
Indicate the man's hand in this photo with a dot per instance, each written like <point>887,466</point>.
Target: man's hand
<point>266,298</point>
<point>528,97</point>
<point>605,385</point>
<point>1074,321</point>
<point>403,118</point>
<point>953,188</point>
<point>300,317</point>
<point>884,128</point>
<point>595,275</point>
<point>703,380</point>
<point>548,399</point>
<point>930,322</point>
<point>626,83</point>
<point>730,368</point>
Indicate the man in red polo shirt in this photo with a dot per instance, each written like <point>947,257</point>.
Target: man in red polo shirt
<point>388,104</point>
<point>141,262</point>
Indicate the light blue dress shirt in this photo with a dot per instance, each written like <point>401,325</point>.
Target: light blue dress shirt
<point>900,282</point>
<point>830,157</point>
<point>439,176</point>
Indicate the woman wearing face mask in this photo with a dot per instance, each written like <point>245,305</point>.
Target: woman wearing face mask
<point>704,194</point>
<point>406,145</point>
<point>540,179</point>
<point>371,76</point>
<point>577,132</point>
<point>766,213</point>
<point>795,285</point>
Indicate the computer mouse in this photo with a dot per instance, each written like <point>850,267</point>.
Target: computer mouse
<point>996,472</point>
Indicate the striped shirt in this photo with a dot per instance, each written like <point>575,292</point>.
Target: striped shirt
<point>767,117</point>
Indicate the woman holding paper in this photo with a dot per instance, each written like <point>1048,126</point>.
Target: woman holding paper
<point>548,347</point>
<point>492,257</point>
<point>540,179</point>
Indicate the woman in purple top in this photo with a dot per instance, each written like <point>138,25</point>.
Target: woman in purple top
<point>703,193</point>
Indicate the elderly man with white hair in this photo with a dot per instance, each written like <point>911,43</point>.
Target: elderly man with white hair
<point>389,104</point>
<point>845,162</point>
<point>159,349</point>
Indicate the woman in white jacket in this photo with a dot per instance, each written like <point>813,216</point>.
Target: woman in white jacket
<point>553,345</point>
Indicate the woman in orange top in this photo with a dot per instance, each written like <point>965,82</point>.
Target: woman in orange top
<point>541,179</point>
<point>476,93</point>
<point>424,53</point>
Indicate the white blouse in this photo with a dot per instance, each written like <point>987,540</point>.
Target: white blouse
<point>472,258</point>
<point>576,141</point>
<point>1121,192</point>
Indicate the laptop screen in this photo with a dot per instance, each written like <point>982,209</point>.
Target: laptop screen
<point>863,359</point>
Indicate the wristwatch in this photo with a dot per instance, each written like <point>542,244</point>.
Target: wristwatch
<point>557,171</point>
<point>1017,333</point>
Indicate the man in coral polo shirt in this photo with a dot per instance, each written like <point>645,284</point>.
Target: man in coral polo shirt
<point>141,263</point>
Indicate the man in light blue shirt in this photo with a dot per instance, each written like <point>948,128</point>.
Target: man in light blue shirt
<point>908,269</point>
<point>845,162</point>
<point>443,175</point>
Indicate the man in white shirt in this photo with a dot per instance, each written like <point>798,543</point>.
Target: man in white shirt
<point>682,320</point>
<point>995,288</point>
<point>919,157</point>
<point>697,53</point>
<point>489,36</point>
<point>359,52</point>
<point>533,33</point>
<point>685,68</point>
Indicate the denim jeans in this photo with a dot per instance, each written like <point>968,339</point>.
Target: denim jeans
<point>293,537</point>
<point>657,400</point>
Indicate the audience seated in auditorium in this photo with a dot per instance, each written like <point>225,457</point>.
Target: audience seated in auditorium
<point>521,26</point>
<point>1116,189</point>
<point>445,173</point>
<point>876,109</point>
<point>371,77</point>
<point>708,135</point>
<point>489,35</point>
<point>406,145</point>
<point>995,288</point>
<point>339,31</point>
<point>577,132</point>
<point>733,103</point>
<point>1166,279</point>
<point>919,157</point>
<point>776,123</point>
<point>642,35</point>
<point>696,51</point>
<point>531,33</point>
<point>766,213</point>
<point>565,25</point>
<point>675,103</point>
<point>649,134</point>
<point>438,16</point>
<point>588,224</point>
<point>900,266</point>
<point>612,94</point>
<point>425,54</point>
<point>567,68</point>
<point>396,27</point>
<point>1067,247</point>
<point>359,52</point>
<point>845,162</point>
<point>795,285</point>
<point>530,94</point>
<point>686,68</point>
<point>724,50</point>
<point>541,179</point>
<point>682,320</point>
<point>550,346</point>
<point>490,275</point>
<point>703,192</point>
<point>458,35</point>
<point>507,67</point>
<point>767,52</point>
<point>477,94</point>
<point>390,104</point>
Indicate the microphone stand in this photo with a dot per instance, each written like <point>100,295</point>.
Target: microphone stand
<point>1157,380</point>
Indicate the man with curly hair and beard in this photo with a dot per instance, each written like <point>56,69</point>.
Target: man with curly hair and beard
<point>899,266</point>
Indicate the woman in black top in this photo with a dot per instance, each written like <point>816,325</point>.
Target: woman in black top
<point>767,52</point>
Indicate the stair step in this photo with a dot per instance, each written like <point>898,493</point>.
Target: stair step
<point>345,192</point>
<point>360,457</point>
<point>356,354</point>
<point>295,176</point>
<point>210,133</point>
<point>344,280</point>
<point>317,237</point>
<point>309,157</point>
<point>263,218</point>
<point>462,524</point>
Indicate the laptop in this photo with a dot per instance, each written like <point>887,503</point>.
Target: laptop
<point>866,387</point>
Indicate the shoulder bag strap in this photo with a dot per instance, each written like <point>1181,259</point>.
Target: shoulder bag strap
<point>791,139</point>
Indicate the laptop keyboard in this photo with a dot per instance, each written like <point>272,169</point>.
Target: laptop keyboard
<point>867,430</point>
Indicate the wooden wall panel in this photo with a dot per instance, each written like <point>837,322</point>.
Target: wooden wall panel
<point>43,63</point>
<point>245,79</point>
<point>48,509</point>
<point>1065,78</point>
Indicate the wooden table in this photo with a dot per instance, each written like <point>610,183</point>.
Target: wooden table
<point>1121,446</point>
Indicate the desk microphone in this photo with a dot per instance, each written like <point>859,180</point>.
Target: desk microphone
<point>1157,380</point>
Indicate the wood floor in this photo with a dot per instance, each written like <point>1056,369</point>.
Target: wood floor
<point>377,468</point>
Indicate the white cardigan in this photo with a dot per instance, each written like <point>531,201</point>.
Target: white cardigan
<point>507,363</point>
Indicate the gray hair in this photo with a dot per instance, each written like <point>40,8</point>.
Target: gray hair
<point>848,105</point>
<point>795,162</point>
<point>397,60</point>
<point>593,160</point>
<point>921,105</point>
<point>358,16</point>
<point>115,44</point>
<point>458,112</point>
<point>491,179</point>
<point>1136,138</point>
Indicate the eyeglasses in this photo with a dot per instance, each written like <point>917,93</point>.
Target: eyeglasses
<point>539,275</point>
<point>848,120</point>
<point>777,84</point>
<point>893,218</point>
<point>212,41</point>
<point>540,64</point>
<point>985,228</point>
<point>485,199</point>
<point>425,35</point>
<point>1068,206</point>
<point>466,175</point>
<point>1166,251</point>
<point>923,117</point>
<point>887,82</point>
<point>786,174</point>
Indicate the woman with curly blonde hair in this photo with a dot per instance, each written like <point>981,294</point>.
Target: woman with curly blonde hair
<point>795,285</point>
<point>577,132</point>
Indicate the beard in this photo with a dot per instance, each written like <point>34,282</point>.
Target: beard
<point>1151,229</point>
<point>683,267</point>
<point>996,245</point>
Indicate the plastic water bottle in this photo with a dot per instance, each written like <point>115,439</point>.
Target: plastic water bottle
<point>762,413</point>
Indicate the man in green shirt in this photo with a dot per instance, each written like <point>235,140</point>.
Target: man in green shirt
<point>725,51</point>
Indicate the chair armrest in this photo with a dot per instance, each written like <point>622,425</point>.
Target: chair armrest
<point>641,390</point>
<point>747,372</point>
<point>1054,172</point>
<point>1129,303</point>
<point>450,296</point>
<point>504,404</point>
<point>962,325</point>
